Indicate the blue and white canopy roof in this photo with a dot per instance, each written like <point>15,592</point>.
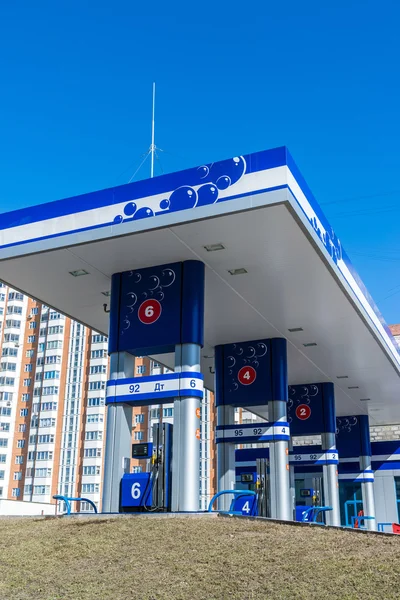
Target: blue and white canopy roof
<point>259,208</point>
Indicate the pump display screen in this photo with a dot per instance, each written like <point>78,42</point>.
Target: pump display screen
<point>305,493</point>
<point>246,478</point>
<point>142,450</point>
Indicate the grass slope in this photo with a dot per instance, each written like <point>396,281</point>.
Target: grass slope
<point>192,558</point>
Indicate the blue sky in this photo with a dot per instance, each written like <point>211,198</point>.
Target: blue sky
<point>232,78</point>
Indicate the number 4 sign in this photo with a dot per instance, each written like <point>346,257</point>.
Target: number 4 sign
<point>247,375</point>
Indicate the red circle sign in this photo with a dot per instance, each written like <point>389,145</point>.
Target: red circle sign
<point>247,375</point>
<point>149,311</point>
<point>303,412</point>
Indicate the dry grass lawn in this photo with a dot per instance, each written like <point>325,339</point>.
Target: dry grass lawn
<point>192,559</point>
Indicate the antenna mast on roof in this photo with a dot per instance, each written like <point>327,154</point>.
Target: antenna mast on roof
<point>152,148</point>
<point>152,151</point>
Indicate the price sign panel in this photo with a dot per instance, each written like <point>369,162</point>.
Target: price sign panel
<point>154,309</point>
<point>251,373</point>
<point>311,408</point>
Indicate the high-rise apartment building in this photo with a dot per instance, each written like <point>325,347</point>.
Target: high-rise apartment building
<point>53,376</point>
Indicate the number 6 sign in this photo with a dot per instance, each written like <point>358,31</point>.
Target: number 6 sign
<point>149,311</point>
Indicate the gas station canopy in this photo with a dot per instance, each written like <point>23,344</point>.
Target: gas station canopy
<point>274,268</point>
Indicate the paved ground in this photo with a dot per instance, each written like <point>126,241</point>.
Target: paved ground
<point>192,559</point>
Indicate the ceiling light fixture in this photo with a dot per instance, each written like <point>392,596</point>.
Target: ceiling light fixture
<point>365,399</point>
<point>214,247</point>
<point>310,344</point>
<point>78,273</point>
<point>353,387</point>
<point>295,329</point>
<point>342,376</point>
<point>237,271</point>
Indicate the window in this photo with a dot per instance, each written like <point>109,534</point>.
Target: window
<point>15,296</point>
<point>27,382</point>
<point>31,455</point>
<point>23,412</point>
<point>25,397</point>
<point>41,347</point>
<point>89,453</point>
<point>52,374</point>
<point>97,385</point>
<point>28,489</point>
<point>53,359</point>
<point>96,418</point>
<point>7,381</point>
<point>141,369</point>
<point>90,488</point>
<point>95,401</point>
<point>46,472</point>
<point>4,426</point>
<point>2,474</point>
<point>41,489</point>
<point>10,352</point>
<point>19,460</point>
<point>98,339</point>
<point>49,390</point>
<point>33,325</point>
<point>17,476</point>
<point>91,470</point>
<point>20,443</point>
<point>98,369</point>
<point>6,396</point>
<point>29,353</point>
<point>5,411</point>
<point>28,368</point>
<point>13,323</point>
<point>49,406</point>
<point>15,492</point>
<point>93,435</point>
<point>47,438</point>
<point>3,442</point>
<point>138,435</point>
<point>55,315</point>
<point>34,311</point>
<point>139,418</point>
<point>155,413</point>
<point>168,412</point>
<point>31,339</point>
<point>47,423</point>
<point>54,345</point>
<point>54,329</point>
<point>98,354</point>
<point>137,469</point>
<point>14,310</point>
<point>86,507</point>
<point>22,428</point>
<point>3,458</point>
<point>11,337</point>
<point>44,455</point>
<point>8,366</point>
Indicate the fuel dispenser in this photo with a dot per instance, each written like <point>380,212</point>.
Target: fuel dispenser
<point>151,490</point>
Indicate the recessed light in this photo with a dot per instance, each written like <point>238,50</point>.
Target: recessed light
<point>107,293</point>
<point>295,329</point>
<point>309,344</point>
<point>214,247</point>
<point>353,387</point>
<point>365,399</point>
<point>237,271</point>
<point>78,273</point>
<point>342,376</point>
